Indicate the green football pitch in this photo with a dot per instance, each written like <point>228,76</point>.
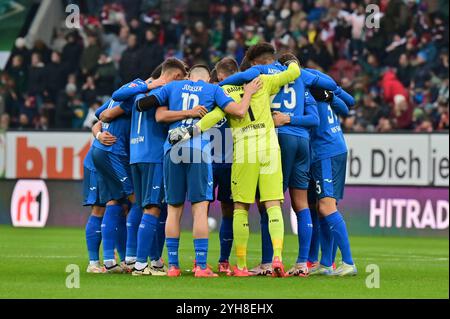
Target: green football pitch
<point>33,265</point>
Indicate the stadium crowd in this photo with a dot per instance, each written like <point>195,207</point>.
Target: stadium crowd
<point>398,72</point>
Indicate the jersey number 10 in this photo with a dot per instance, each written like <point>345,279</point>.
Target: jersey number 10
<point>189,102</point>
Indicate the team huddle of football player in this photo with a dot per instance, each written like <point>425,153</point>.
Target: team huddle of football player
<point>241,134</point>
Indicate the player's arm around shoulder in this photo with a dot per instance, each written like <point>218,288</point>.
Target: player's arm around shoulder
<point>164,115</point>
<point>239,110</point>
<point>210,119</point>
<point>105,138</point>
<point>274,82</point>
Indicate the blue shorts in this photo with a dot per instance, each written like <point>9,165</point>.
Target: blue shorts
<point>295,159</point>
<point>113,175</point>
<point>148,184</point>
<point>329,176</point>
<point>222,181</point>
<point>191,181</point>
<point>91,194</point>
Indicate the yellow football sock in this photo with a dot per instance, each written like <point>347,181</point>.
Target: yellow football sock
<point>241,233</point>
<point>276,229</point>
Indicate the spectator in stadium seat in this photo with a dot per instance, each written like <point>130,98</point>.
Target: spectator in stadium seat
<point>129,63</point>
<point>18,72</point>
<point>150,56</point>
<point>4,122</point>
<point>71,53</point>
<point>21,49</point>
<point>41,48</point>
<point>63,110</point>
<point>29,109</point>
<point>88,91</point>
<point>119,44</point>
<point>405,71</point>
<point>105,75</point>
<point>37,78</point>
<point>55,75</point>
<point>90,55</point>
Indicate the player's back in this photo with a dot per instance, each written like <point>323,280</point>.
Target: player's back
<point>147,136</point>
<point>187,94</point>
<point>118,127</point>
<point>256,128</point>
<point>327,140</point>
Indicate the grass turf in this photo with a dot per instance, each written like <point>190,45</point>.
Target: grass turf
<point>33,264</point>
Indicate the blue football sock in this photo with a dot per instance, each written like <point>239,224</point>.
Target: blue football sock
<point>266,241</point>
<point>226,238</point>
<point>326,243</point>
<point>340,235</point>
<point>333,254</point>
<point>315,240</point>
<point>201,252</point>
<point>161,234</point>
<point>304,228</point>
<point>172,245</point>
<point>133,220</point>
<point>94,237</point>
<point>121,244</point>
<point>109,230</point>
<point>146,236</point>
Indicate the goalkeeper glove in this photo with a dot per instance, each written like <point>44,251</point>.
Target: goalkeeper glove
<point>181,134</point>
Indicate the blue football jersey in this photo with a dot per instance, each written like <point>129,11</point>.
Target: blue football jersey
<point>327,140</point>
<point>185,95</point>
<point>130,90</point>
<point>147,136</point>
<point>221,144</point>
<point>119,127</point>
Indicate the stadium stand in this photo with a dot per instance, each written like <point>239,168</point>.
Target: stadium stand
<point>399,77</point>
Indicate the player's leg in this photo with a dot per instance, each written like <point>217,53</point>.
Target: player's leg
<point>313,257</point>
<point>134,216</point>
<point>93,226</point>
<point>265,267</point>
<point>175,185</point>
<point>149,194</point>
<point>325,235</point>
<point>112,190</point>
<point>222,178</point>
<point>122,233</point>
<point>332,185</point>
<point>94,238</point>
<point>271,194</point>
<point>124,181</point>
<point>158,244</point>
<point>200,193</point>
<point>298,189</point>
<point>244,180</point>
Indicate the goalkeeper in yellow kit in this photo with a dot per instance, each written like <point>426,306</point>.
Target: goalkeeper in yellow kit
<point>256,158</point>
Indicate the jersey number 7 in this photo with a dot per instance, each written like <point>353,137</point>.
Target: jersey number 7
<point>250,111</point>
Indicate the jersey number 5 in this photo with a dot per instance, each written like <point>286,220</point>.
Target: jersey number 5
<point>288,102</point>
